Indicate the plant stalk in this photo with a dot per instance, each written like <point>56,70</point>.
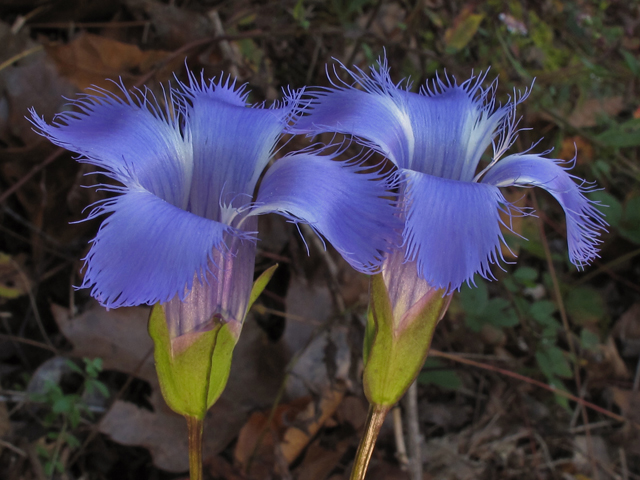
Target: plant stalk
<point>375,418</point>
<point>194,426</point>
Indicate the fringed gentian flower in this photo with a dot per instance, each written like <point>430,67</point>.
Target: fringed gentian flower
<point>436,138</point>
<point>181,231</point>
<point>451,212</point>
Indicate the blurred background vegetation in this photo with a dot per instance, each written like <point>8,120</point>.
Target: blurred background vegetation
<point>294,403</point>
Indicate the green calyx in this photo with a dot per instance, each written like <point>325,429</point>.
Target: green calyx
<point>194,376</point>
<point>395,349</point>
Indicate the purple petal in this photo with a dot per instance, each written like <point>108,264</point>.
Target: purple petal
<point>149,251</point>
<point>219,297</point>
<point>338,200</point>
<point>404,285</point>
<point>232,144</point>
<point>378,114</point>
<point>584,220</point>
<point>454,125</point>
<point>137,142</point>
<point>442,131</point>
<point>452,229</point>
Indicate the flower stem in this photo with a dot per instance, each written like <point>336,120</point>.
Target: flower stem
<point>194,426</point>
<point>377,414</point>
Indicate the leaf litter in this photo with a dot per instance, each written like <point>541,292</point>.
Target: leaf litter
<point>294,407</point>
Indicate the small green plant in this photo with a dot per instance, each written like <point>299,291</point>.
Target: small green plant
<point>65,411</point>
<point>519,304</point>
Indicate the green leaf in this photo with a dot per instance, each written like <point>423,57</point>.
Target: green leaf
<point>630,222</point>
<point>589,340</point>
<point>72,366</point>
<point>560,363</point>
<point>542,312</point>
<point>623,135</point>
<point>609,206</point>
<point>553,362</point>
<point>474,299</point>
<point>526,275</point>
<point>433,374</point>
<point>499,314</point>
<point>72,440</point>
<point>585,305</point>
<point>560,400</point>
<point>631,61</point>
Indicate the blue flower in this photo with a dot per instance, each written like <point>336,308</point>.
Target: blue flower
<point>182,226</point>
<point>436,139</point>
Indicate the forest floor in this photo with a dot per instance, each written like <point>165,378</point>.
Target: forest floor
<point>79,398</point>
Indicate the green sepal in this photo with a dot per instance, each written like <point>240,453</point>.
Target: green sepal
<point>189,383</point>
<point>193,376</point>
<point>260,284</point>
<point>395,349</point>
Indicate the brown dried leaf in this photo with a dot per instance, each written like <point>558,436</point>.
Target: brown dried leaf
<point>174,26</point>
<point>91,60</point>
<point>586,113</point>
<point>309,421</point>
<point>576,147</point>
<point>13,283</point>
<point>257,430</point>
<point>31,81</point>
<point>5,421</point>
<point>627,330</point>
<point>628,401</point>
<point>319,461</point>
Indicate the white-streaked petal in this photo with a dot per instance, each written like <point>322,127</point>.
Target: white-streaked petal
<point>454,125</point>
<point>452,228</point>
<point>376,114</point>
<point>584,221</point>
<point>442,131</point>
<point>133,139</point>
<point>232,144</point>
<point>339,200</point>
<point>149,251</point>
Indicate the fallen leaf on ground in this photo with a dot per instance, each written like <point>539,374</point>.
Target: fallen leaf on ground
<point>31,81</point>
<point>319,461</point>
<point>92,60</point>
<point>586,113</point>
<point>464,27</point>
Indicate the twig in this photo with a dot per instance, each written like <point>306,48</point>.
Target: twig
<point>227,50</point>
<point>34,305</point>
<point>36,168</point>
<point>38,471</point>
<point>356,46</point>
<point>550,388</point>
<point>623,463</point>
<point>20,56</point>
<point>33,343</point>
<point>398,434</point>
<point>413,431</point>
<point>261,309</point>
<point>13,448</point>
<point>332,267</point>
